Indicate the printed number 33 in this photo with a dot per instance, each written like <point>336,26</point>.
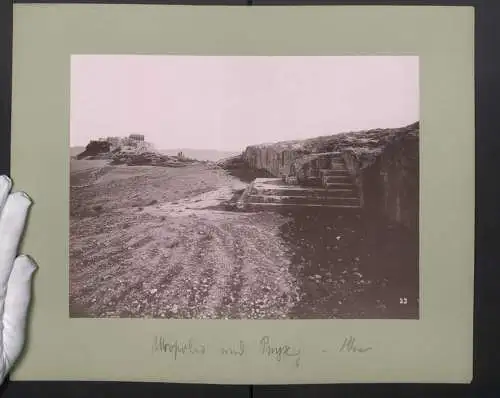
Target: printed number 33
<point>403,300</point>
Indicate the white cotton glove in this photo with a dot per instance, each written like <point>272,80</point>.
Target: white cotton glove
<point>15,275</point>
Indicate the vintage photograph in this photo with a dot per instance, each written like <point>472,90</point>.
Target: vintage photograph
<point>244,187</point>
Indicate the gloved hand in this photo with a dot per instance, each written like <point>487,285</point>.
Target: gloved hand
<point>15,275</point>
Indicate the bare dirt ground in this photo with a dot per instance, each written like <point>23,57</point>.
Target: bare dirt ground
<point>142,245</point>
<point>151,241</point>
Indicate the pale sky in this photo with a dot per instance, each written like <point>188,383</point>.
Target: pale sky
<point>227,103</point>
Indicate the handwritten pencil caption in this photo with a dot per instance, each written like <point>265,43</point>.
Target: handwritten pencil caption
<point>265,347</point>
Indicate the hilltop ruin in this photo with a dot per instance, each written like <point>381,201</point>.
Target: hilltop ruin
<point>133,150</point>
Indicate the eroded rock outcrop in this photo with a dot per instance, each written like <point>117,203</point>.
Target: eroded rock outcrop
<point>389,176</point>
<point>95,149</point>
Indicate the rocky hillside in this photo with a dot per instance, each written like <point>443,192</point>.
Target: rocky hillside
<point>365,146</point>
<point>130,152</point>
<point>211,155</point>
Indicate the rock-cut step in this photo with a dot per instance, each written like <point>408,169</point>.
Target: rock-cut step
<point>334,179</point>
<point>346,190</point>
<point>291,206</point>
<point>338,185</point>
<point>336,166</point>
<point>273,193</point>
<point>334,172</point>
<point>304,200</point>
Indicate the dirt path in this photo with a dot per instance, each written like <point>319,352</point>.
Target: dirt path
<point>151,242</point>
<point>178,259</point>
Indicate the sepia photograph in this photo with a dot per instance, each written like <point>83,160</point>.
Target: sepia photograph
<point>244,187</point>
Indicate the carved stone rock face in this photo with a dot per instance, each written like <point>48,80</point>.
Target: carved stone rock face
<point>382,164</point>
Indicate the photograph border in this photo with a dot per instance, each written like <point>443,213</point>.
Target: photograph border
<point>46,87</point>
<point>388,284</point>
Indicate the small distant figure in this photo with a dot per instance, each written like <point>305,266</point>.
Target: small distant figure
<point>180,155</point>
<point>291,180</point>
